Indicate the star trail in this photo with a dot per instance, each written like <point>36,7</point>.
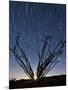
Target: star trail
<point>31,20</point>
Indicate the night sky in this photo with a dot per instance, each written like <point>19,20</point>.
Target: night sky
<point>31,21</point>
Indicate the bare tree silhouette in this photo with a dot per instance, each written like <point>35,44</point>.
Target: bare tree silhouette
<point>22,60</point>
<point>47,58</point>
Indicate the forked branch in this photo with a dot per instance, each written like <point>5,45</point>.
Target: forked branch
<point>22,59</point>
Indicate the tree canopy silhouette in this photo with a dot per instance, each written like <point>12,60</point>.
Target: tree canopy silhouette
<point>47,58</point>
<point>22,60</point>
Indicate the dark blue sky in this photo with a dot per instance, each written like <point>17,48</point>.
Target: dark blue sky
<point>31,20</point>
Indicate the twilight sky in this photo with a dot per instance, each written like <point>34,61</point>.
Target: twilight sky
<point>31,20</point>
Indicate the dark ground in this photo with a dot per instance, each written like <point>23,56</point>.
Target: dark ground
<point>43,82</point>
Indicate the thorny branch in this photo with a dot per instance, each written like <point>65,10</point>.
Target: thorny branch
<point>22,59</point>
<point>50,59</point>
